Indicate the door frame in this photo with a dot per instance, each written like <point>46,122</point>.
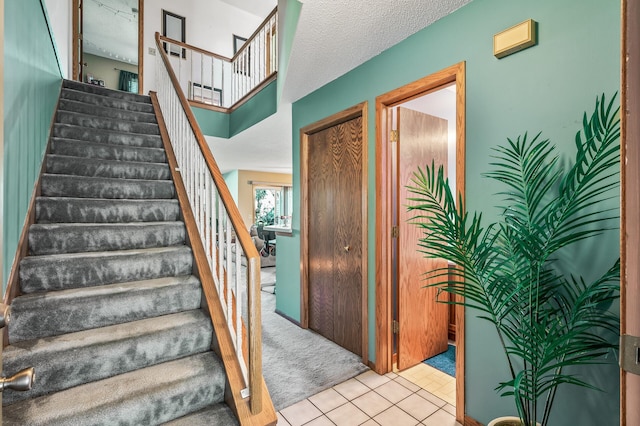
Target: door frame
<point>75,43</point>
<point>384,241</point>
<point>630,201</point>
<point>356,111</point>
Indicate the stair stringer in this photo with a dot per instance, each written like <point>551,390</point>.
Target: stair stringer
<point>222,343</point>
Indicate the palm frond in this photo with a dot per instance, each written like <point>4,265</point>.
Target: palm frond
<point>507,270</point>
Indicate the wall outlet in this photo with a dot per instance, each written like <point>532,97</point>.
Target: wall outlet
<point>152,51</point>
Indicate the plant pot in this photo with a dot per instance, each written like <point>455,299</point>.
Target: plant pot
<point>507,421</point>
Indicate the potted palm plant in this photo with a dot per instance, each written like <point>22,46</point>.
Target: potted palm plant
<point>512,272</point>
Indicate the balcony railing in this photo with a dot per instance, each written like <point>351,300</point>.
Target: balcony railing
<point>218,81</point>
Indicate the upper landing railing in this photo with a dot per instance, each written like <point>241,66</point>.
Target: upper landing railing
<point>215,80</point>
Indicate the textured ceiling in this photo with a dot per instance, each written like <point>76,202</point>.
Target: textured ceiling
<point>335,36</point>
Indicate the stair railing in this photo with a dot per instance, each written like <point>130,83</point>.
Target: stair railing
<point>208,78</point>
<point>224,237</point>
<point>256,60</point>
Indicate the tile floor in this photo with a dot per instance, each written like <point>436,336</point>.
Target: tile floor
<point>435,381</point>
<point>407,398</point>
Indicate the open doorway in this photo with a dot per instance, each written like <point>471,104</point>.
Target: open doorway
<point>417,124</point>
<point>107,43</point>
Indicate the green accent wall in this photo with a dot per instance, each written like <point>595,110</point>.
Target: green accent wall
<point>231,179</point>
<point>226,125</point>
<point>212,123</point>
<point>260,106</point>
<point>32,83</point>
<point>544,88</point>
<point>288,26</point>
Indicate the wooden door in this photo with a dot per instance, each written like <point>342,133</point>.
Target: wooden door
<point>335,233</point>
<point>423,323</point>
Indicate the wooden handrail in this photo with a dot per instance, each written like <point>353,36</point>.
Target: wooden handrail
<point>255,33</point>
<point>242,237</point>
<point>190,47</point>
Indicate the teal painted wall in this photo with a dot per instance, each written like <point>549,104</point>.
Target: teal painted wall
<point>288,26</point>
<point>231,178</point>
<point>546,87</point>
<point>212,123</point>
<point>32,82</point>
<point>256,109</point>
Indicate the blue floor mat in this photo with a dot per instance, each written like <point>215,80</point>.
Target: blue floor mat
<point>445,362</point>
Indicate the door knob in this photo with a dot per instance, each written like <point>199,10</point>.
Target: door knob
<point>347,248</point>
<point>21,381</point>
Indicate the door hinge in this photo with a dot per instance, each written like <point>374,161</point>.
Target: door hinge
<point>393,136</point>
<point>630,353</point>
<point>395,326</point>
<point>395,232</point>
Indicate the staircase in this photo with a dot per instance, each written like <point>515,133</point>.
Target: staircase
<point>110,314</point>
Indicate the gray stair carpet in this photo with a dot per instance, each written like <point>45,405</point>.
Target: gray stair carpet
<point>110,315</point>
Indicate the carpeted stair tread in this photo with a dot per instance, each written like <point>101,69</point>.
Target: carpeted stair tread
<point>87,134</point>
<point>87,237</point>
<point>108,312</point>
<point>87,356</point>
<point>104,111</point>
<point>103,91</point>
<point>217,415</point>
<point>75,270</point>
<point>97,187</point>
<point>151,395</point>
<point>115,169</point>
<point>105,101</point>
<point>97,210</point>
<point>105,123</point>
<point>74,148</point>
<point>92,307</point>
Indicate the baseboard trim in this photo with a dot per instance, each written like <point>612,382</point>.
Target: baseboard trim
<point>470,421</point>
<point>287,317</point>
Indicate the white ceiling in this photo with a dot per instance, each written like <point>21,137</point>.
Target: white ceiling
<point>260,8</point>
<point>110,29</point>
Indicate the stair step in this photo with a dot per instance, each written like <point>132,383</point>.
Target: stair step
<point>93,307</point>
<point>148,396</point>
<point>74,148</point>
<point>95,122</point>
<point>115,169</point>
<point>75,270</point>
<point>105,101</point>
<point>105,111</point>
<point>96,187</point>
<point>87,356</point>
<point>97,210</point>
<point>59,238</point>
<point>68,131</point>
<point>103,91</point>
<point>216,415</point>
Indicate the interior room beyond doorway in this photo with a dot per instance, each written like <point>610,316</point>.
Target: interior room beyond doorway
<point>418,124</point>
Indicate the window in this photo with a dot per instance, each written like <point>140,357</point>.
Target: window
<point>173,26</point>
<point>273,205</point>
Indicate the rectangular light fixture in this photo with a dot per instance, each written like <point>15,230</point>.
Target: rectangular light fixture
<point>514,39</point>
